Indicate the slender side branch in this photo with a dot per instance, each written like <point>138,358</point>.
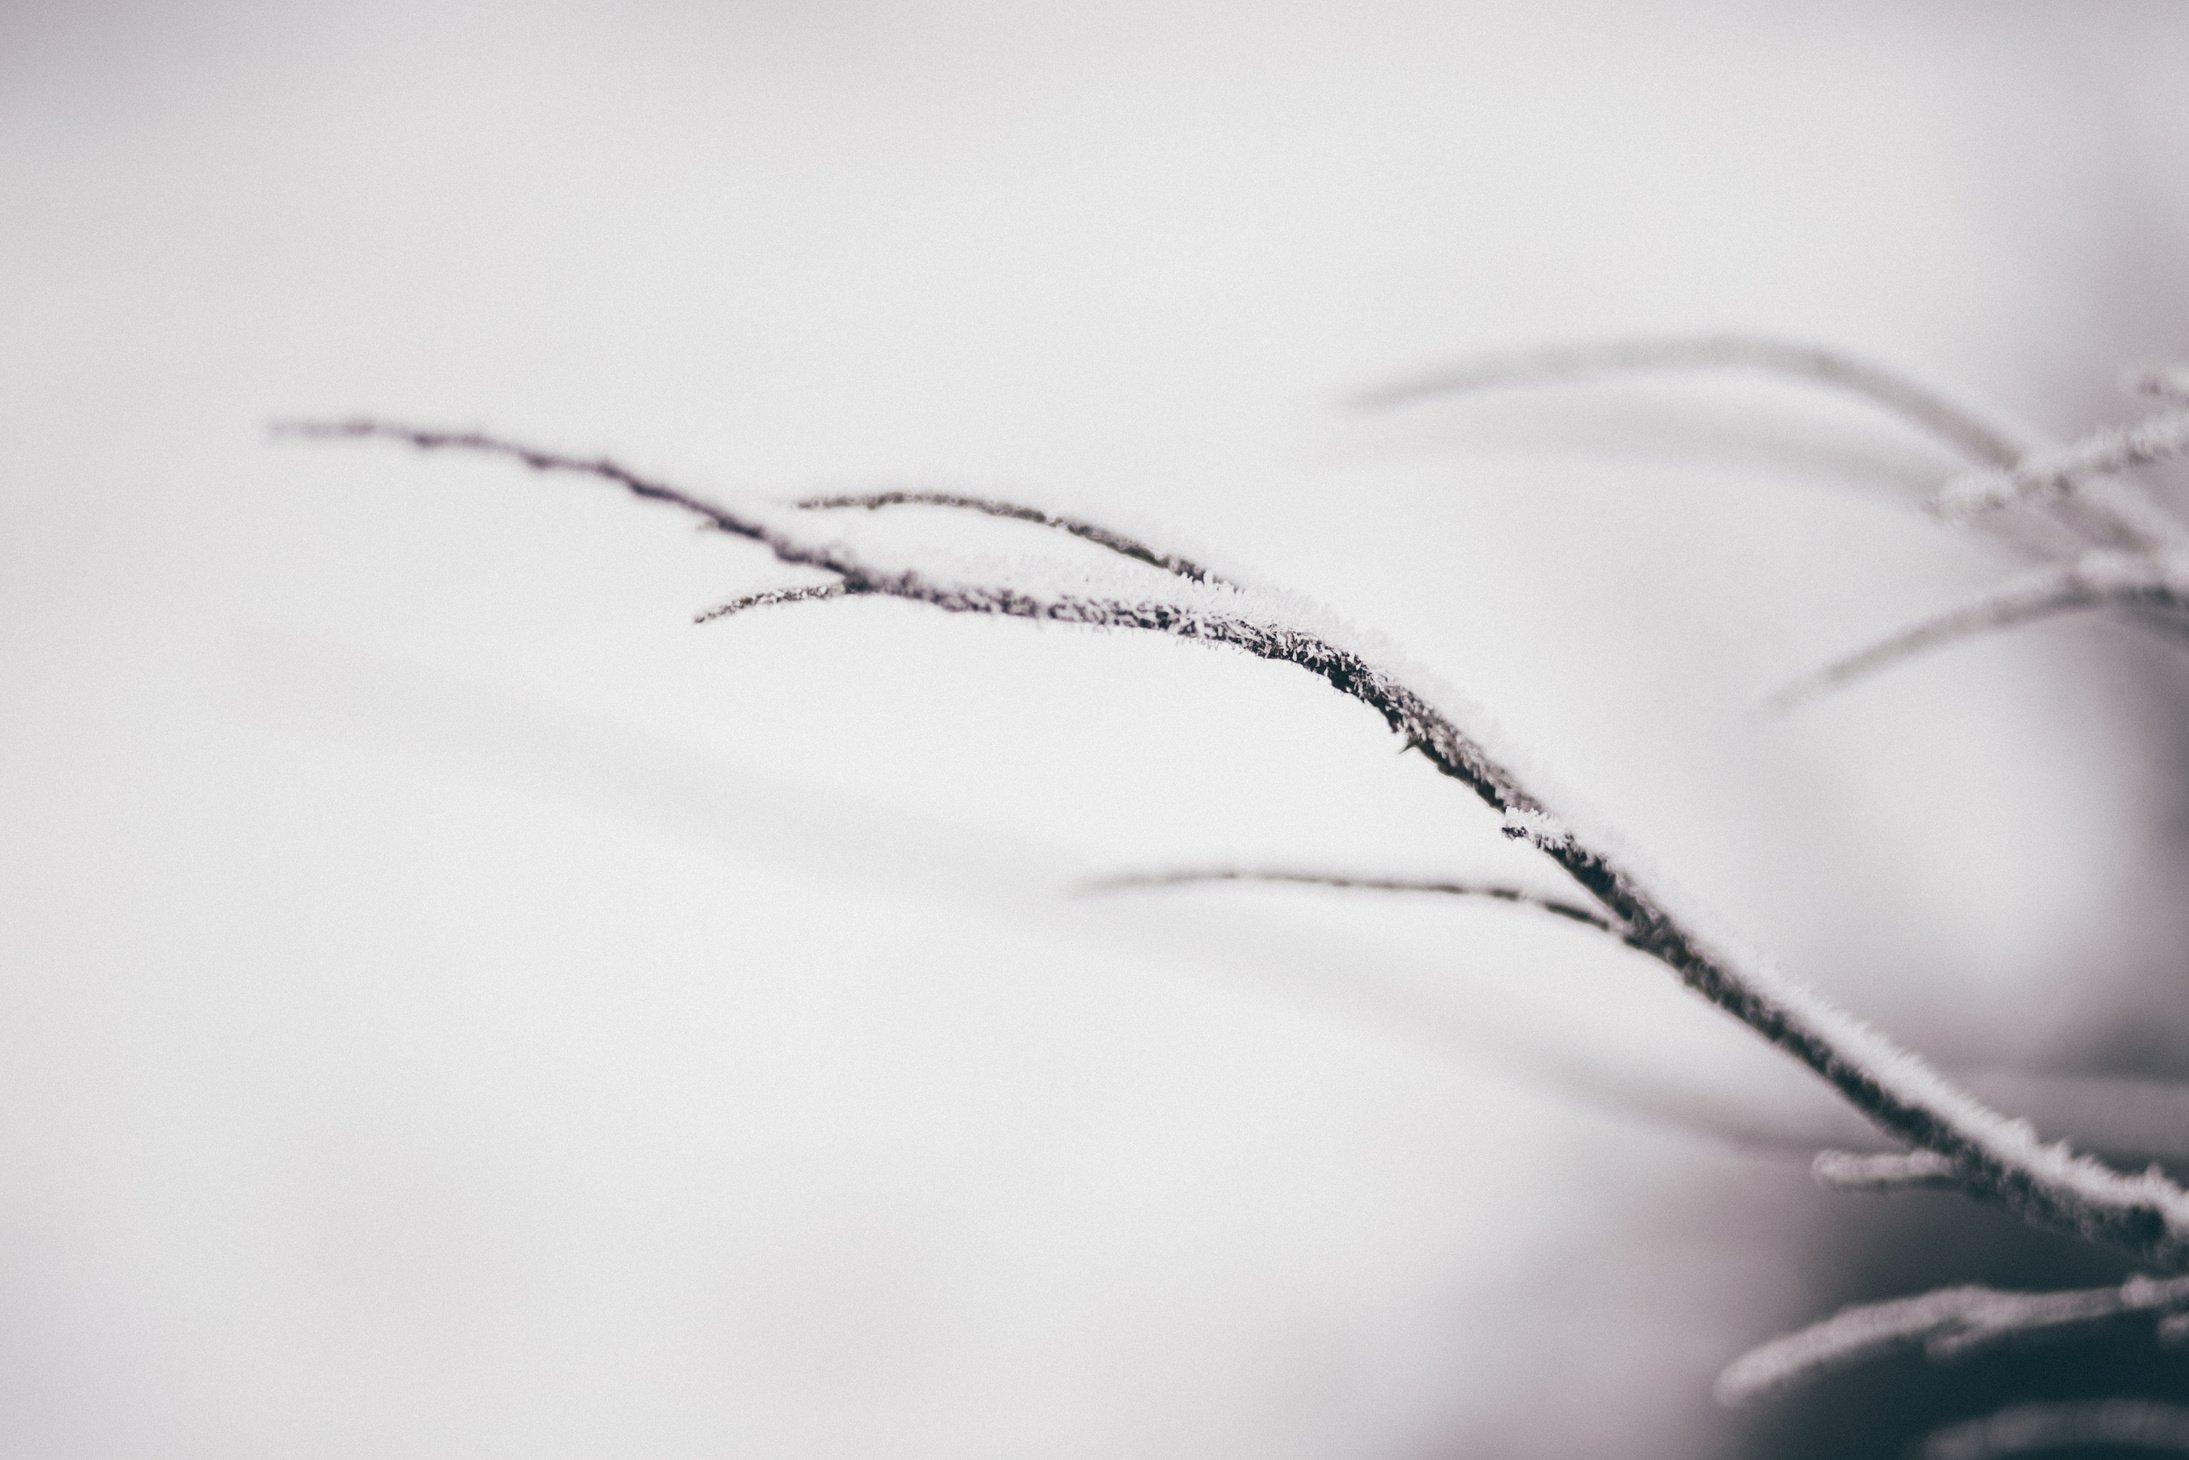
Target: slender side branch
<point>1996,1159</point>
<point>1882,1171</point>
<point>2053,473</point>
<point>768,597</point>
<point>1496,892</point>
<point>1970,432</point>
<point>1950,1323</point>
<point>1093,532</point>
<point>2023,1429</point>
<point>2096,579</point>
<point>2107,510</point>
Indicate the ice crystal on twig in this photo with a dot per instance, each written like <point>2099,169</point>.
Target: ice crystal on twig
<point>769,597</point>
<point>1535,826</point>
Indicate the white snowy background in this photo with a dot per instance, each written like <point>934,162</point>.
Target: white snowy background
<point>449,1006</point>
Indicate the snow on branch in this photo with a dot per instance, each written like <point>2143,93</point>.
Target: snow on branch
<point>1971,433</point>
<point>1949,1323</point>
<point>767,598</point>
<point>2130,580</point>
<point>2044,474</point>
<point>1093,532</point>
<point>1494,891</point>
<point>1258,626</point>
<point>1995,1159</point>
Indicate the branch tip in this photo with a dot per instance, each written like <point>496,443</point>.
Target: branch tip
<point>769,597</point>
<point>1490,891</point>
<point>1883,1172</point>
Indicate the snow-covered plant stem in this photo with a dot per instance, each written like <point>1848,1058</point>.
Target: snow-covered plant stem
<point>1989,1157</point>
<point>1952,1323</point>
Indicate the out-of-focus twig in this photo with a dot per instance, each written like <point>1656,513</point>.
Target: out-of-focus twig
<point>1948,1323</point>
<point>2022,1429</point>
<point>2095,580</point>
<point>2061,470</point>
<point>1972,433</point>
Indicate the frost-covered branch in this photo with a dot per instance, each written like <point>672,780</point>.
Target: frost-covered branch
<point>1994,1159</point>
<point>2043,474</point>
<point>2129,580</point>
<point>1981,438</point>
<point>769,597</point>
<point>1094,532</point>
<point>2023,1429</point>
<point>1494,891</point>
<point>1949,1323</point>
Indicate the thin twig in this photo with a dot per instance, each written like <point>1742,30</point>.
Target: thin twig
<point>1949,1323</point>
<point>2109,512</point>
<point>1882,1171</point>
<point>2096,579</point>
<point>1970,432</point>
<point>1093,532</point>
<point>2056,472</point>
<point>1997,1160</point>
<point>2140,1424</point>
<point>769,597</point>
<point>1494,891</point>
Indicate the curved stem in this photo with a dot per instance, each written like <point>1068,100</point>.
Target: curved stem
<point>2092,581</point>
<point>1948,1323</point>
<point>1492,891</point>
<point>1994,1159</point>
<point>1968,431</point>
<point>1094,532</point>
<point>2108,511</point>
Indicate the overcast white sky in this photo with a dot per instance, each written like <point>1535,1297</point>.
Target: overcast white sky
<point>454,1007</point>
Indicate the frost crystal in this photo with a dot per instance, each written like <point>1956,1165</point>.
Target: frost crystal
<point>1535,826</point>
